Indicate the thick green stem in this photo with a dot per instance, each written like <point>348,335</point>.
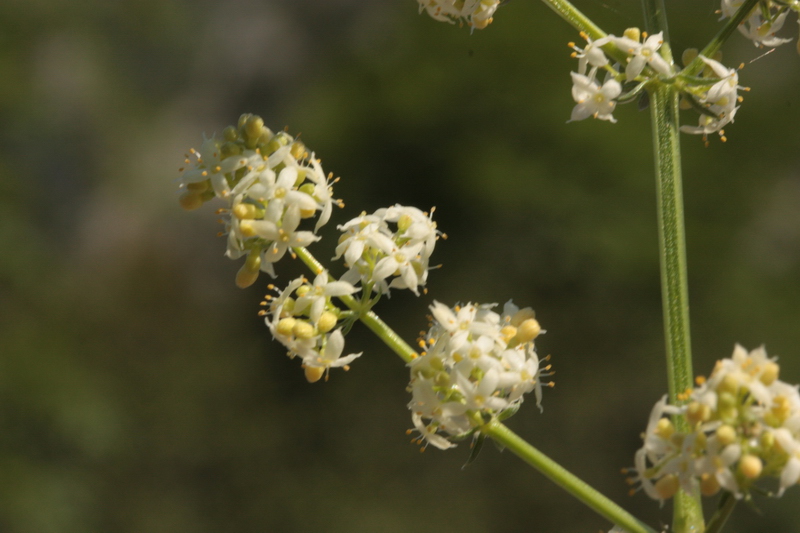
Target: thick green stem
<point>564,479</point>
<point>726,505</point>
<point>370,319</point>
<point>688,510</point>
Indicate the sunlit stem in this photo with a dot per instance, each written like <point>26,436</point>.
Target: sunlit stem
<point>495,429</point>
<point>688,511</point>
<point>563,478</point>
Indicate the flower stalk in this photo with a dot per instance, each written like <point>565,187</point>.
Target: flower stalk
<point>563,478</point>
<point>688,511</point>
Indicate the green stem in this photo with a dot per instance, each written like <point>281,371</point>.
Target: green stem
<point>694,68</point>
<point>726,504</point>
<point>370,319</point>
<point>496,429</point>
<point>688,511</point>
<point>564,479</point>
<point>581,22</point>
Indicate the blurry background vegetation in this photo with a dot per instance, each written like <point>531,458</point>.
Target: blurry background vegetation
<point>139,390</point>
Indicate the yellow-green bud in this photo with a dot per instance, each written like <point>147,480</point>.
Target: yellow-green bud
<point>252,127</point>
<point>285,326</point>
<point>633,34</point>
<point>709,485</point>
<point>303,330</point>
<point>248,274</point>
<point>327,321</point>
<point>508,333</point>
<point>729,383</point>
<point>528,330</point>
<point>243,119</point>
<point>230,149</point>
<point>298,150</point>
<point>244,211</point>
<point>307,188</point>
<point>750,466</point>
<point>302,290</point>
<point>767,441</point>
<point>313,373</point>
<point>190,200</point>
<point>664,428</point>
<point>697,412</point>
<point>688,55</point>
<point>770,373</point>
<point>436,363</point>
<point>198,186</point>
<point>726,434</point>
<point>522,315</point>
<point>246,228</point>
<point>667,486</point>
<point>230,134</point>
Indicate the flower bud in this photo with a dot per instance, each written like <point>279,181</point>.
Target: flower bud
<point>667,486</point>
<point>230,134</point>
<point>190,200</point>
<point>522,315</point>
<point>750,466</point>
<point>285,326</point>
<point>313,373</point>
<point>528,330</point>
<point>664,428</point>
<point>697,412</point>
<point>252,127</point>
<point>327,321</point>
<point>726,434</point>
<point>633,33</point>
<point>770,373</point>
<point>248,274</point>
<point>709,485</point>
<point>303,330</point>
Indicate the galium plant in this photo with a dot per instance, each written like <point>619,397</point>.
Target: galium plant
<point>725,436</point>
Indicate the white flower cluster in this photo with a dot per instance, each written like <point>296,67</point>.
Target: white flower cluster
<point>302,318</point>
<point>744,425</point>
<point>269,183</point>
<point>717,99</point>
<point>763,22</point>
<point>374,252</point>
<point>478,365</point>
<point>595,100</point>
<point>477,14</point>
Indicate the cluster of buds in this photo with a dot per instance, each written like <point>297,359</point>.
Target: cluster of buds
<point>303,318</point>
<point>390,248</point>
<point>764,21</point>
<point>477,14</point>
<point>740,425</point>
<point>478,365</point>
<point>714,94</point>
<point>642,63</point>
<point>269,184</point>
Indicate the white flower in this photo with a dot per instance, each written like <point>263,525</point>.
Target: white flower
<point>643,54</point>
<point>210,165</point>
<point>330,356</point>
<point>476,13</point>
<point>592,54</point>
<point>282,238</point>
<point>592,99</point>
<point>762,32</point>
<point>319,294</point>
<point>720,100</point>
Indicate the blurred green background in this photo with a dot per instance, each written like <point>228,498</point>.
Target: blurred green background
<point>139,390</point>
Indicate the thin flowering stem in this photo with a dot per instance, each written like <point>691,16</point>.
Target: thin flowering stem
<point>688,511</point>
<point>693,68</point>
<point>727,503</point>
<point>563,478</point>
<point>370,319</point>
<point>582,23</point>
<point>495,429</point>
